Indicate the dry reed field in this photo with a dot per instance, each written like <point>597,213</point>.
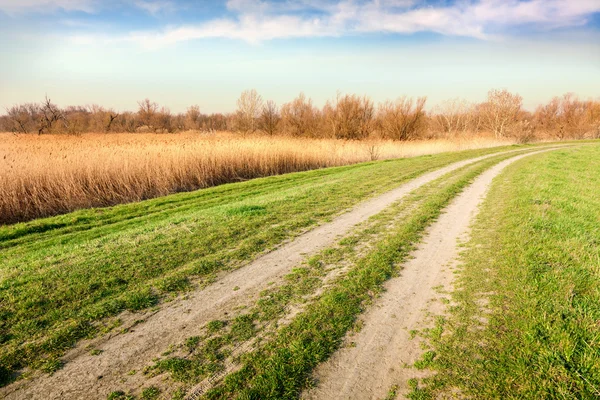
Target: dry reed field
<point>53,174</point>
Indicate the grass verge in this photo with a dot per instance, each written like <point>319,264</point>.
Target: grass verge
<point>526,319</point>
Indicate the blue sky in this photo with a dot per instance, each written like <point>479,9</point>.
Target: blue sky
<point>183,52</point>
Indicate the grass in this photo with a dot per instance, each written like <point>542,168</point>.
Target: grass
<point>526,324</point>
<point>54,174</point>
<point>298,289</point>
<point>281,368</point>
<point>60,275</point>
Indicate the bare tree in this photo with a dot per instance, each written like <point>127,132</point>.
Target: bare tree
<point>454,116</point>
<point>501,111</point>
<point>300,117</point>
<point>269,117</point>
<point>101,119</point>
<point>164,120</point>
<point>193,117</point>
<point>22,117</point>
<point>373,148</point>
<point>126,122</point>
<point>249,108</point>
<point>50,115</point>
<point>350,117</point>
<point>112,116</point>
<point>78,118</point>
<point>147,113</point>
<point>403,119</point>
<point>574,116</point>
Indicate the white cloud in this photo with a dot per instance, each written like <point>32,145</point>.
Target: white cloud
<point>155,7</point>
<point>44,6</point>
<point>553,13</point>
<point>260,20</point>
<point>249,28</point>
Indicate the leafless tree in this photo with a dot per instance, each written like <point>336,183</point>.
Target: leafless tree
<point>50,115</point>
<point>78,118</point>
<point>126,122</point>
<point>112,116</point>
<point>373,149</point>
<point>193,118</point>
<point>455,116</point>
<point>403,119</point>
<point>300,118</point>
<point>270,117</point>
<point>147,113</point>
<point>249,108</point>
<point>23,117</point>
<point>163,120</point>
<point>501,111</point>
<point>349,117</point>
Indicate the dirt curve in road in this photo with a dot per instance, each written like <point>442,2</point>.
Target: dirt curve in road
<point>94,376</point>
<point>375,362</point>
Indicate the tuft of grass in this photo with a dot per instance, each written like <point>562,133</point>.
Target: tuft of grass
<point>119,395</point>
<point>534,257</point>
<point>426,360</point>
<point>192,342</point>
<point>392,393</point>
<point>247,210</point>
<point>150,393</point>
<point>215,326</point>
<point>51,365</point>
<point>417,392</point>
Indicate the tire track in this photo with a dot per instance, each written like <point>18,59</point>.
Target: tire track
<point>374,362</point>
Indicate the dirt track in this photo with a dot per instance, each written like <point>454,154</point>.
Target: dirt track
<point>94,376</point>
<point>374,363</point>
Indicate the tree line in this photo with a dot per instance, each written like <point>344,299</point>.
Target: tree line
<point>348,116</point>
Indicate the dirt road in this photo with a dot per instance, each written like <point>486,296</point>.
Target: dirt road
<point>374,363</point>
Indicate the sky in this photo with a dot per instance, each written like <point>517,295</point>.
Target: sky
<point>182,52</point>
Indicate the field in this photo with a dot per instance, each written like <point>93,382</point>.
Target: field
<point>267,287</point>
<point>99,170</point>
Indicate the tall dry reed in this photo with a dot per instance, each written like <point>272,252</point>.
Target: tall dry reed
<point>53,174</point>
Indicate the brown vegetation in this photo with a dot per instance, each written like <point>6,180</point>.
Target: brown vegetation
<point>346,117</point>
<point>52,174</point>
<point>59,170</point>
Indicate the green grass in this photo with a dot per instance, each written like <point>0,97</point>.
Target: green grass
<point>281,368</point>
<point>207,351</point>
<point>527,320</point>
<point>60,275</point>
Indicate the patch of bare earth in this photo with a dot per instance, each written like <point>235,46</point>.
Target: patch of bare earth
<point>381,354</point>
<point>94,376</point>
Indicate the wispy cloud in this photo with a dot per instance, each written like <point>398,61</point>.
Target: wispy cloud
<point>44,6</point>
<point>260,20</point>
<point>155,7</point>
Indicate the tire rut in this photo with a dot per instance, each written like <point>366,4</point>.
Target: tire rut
<point>382,350</point>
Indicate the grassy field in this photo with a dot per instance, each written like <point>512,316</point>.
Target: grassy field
<point>526,320</point>
<point>60,275</point>
<point>54,174</point>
